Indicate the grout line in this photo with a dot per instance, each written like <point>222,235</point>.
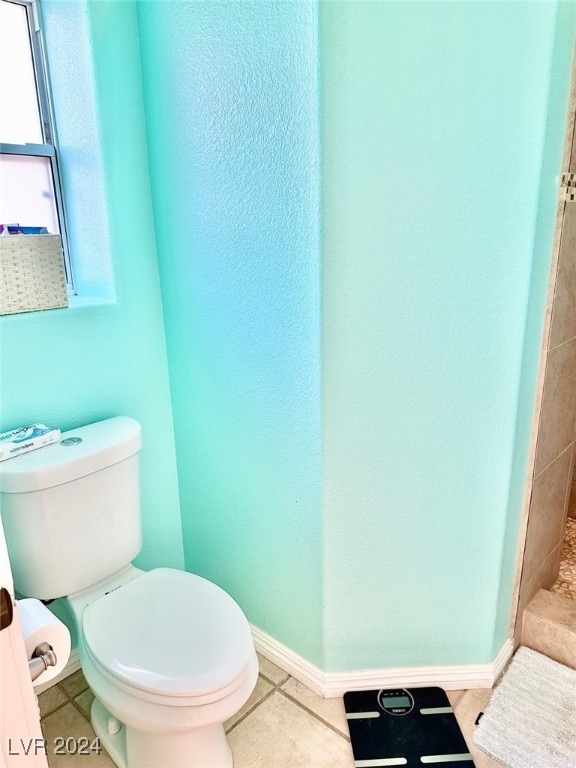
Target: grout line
<point>568,447</point>
<point>314,714</point>
<point>60,706</point>
<point>556,346</point>
<point>84,715</point>
<point>272,682</point>
<point>69,700</point>
<point>266,696</point>
<point>52,711</point>
<point>276,688</point>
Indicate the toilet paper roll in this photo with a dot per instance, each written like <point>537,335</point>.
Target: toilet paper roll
<point>39,625</point>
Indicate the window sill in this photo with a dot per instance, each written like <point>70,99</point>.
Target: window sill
<point>80,302</point>
<point>74,303</point>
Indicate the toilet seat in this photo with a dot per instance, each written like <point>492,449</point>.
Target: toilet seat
<point>169,635</point>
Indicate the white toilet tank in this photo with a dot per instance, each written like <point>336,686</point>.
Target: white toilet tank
<point>71,510</point>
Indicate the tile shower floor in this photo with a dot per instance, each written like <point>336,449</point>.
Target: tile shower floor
<point>566,582</point>
<point>283,725</point>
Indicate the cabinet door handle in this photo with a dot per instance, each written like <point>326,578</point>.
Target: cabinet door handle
<point>6,609</point>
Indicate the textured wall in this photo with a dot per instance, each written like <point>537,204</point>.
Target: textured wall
<point>434,120</point>
<point>394,545</point>
<point>89,362</point>
<point>231,109</point>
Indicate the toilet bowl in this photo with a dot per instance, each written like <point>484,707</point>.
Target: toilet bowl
<point>168,654</point>
<point>169,657</point>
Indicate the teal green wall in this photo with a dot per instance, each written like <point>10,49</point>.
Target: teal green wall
<point>350,483</point>
<point>100,359</point>
<point>347,209</point>
<point>231,109</point>
<point>433,128</point>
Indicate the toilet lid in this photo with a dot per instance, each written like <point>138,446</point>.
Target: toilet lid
<point>169,632</point>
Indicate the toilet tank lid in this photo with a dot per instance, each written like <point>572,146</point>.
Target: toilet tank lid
<point>101,445</point>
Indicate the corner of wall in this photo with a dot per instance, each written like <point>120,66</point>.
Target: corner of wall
<point>536,323</point>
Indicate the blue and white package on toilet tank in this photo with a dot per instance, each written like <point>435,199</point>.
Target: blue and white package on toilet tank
<point>25,439</point>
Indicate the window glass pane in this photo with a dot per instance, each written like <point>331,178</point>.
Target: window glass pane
<point>27,192</point>
<point>19,112</point>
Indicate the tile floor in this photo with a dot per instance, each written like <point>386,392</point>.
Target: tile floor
<point>566,582</point>
<point>283,725</point>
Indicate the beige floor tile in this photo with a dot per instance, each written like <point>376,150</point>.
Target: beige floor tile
<point>84,701</point>
<point>68,723</point>
<point>467,710</point>
<point>74,684</point>
<point>271,671</point>
<point>280,734</point>
<point>51,700</point>
<point>330,710</point>
<point>454,697</point>
<point>262,688</point>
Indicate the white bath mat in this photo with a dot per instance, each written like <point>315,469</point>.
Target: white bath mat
<point>530,721</point>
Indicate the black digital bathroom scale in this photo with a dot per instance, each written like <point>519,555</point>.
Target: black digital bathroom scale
<point>412,727</point>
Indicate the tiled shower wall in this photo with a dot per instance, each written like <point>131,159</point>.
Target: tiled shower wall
<point>553,466</point>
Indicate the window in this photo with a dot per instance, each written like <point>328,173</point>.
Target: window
<point>30,182</point>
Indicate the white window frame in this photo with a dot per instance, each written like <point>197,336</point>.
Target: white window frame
<point>50,146</point>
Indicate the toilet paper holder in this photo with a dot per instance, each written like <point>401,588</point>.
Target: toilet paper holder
<point>42,658</point>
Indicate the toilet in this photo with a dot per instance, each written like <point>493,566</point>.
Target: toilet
<point>168,655</point>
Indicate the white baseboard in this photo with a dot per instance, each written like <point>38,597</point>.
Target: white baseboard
<point>503,658</point>
<point>333,684</point>
<point>289,661</point>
